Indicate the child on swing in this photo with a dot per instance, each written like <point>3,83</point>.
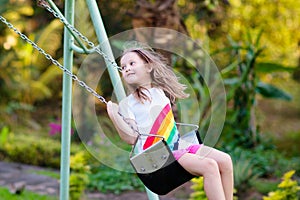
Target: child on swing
<point>150,80</point>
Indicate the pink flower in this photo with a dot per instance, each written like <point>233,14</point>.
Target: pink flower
<point>55,128</point>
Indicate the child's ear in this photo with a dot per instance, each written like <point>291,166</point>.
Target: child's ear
<point>149,68</point>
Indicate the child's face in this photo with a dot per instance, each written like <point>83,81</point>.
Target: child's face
<point>135,71</point>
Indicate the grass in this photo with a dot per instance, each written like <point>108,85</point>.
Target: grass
<point>264,186</point>
<point>25,195</point>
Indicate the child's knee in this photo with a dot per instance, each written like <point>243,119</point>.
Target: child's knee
<point>211,167</point>
<point>226,164</point>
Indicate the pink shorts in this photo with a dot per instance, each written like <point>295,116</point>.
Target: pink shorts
<point>191,149</point>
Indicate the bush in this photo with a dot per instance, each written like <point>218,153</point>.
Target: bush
<point>79,175</point>
<point>252,165</point>
<point>31,150</point>
<point>263,185</point>
<point>244,171</point>
<point>198,188</point>
<point>104,179</point>
<point>287,189</point>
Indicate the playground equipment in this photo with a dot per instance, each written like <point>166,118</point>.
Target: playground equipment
<point>156,166</point>
<point>157,163</point>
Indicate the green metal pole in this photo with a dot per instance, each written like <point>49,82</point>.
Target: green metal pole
<point>105,47</point>
<point>113,72</point>
<point>66,106</point>
<point>56,9</point>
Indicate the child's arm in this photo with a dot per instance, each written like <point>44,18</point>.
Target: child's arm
<point>125,131</point>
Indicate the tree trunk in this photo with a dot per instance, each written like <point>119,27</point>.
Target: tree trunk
<point>296,74</point>
<point>162,14</point>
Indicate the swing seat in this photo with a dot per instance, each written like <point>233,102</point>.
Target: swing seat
<point>158,169</point>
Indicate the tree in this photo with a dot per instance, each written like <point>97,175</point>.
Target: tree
<point>26,76</point>
<point>279,20</point>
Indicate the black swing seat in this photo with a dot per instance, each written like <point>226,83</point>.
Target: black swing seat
<point>158,169</point>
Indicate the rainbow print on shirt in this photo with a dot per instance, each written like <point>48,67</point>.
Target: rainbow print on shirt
<point>165,126</point>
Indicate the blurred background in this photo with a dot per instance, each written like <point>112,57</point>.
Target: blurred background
<point>255,44</point>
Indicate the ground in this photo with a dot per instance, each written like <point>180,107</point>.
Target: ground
<point>19,175</point>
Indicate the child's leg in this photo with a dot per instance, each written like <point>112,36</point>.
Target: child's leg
<point>225,166</point>
<point>208,168</point>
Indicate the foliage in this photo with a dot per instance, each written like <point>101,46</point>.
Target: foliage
<point>244,84</point>
<point>40,152</point>
<point>261,162</point>
<point>28,66</point>
<point>287,189</point>
<point>9,41</point>
<point>198,188</point>
<point>203,17</point>
<point>244,169</point>
<point>280,21</point>
<point>264,185</point>
<point>79,175</point>
<point>4,135</point>
<point>115,15</point>
<point>23,69</point>
<point>26,195</point>
<point>287,143</point>
<point>26,77</point>
<point>104,179</point>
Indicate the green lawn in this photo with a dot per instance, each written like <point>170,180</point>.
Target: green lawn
<point>26,195</point>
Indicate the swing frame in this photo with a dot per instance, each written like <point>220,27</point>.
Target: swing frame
<point>150,180</point>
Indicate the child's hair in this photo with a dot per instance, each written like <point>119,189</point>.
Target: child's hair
<point>162,74</point>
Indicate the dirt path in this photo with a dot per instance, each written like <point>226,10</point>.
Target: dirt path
<point>20,175</point>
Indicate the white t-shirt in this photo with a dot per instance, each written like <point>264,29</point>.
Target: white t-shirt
<point>146,113</point>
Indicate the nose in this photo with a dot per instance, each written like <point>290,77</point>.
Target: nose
<point>127,68</point>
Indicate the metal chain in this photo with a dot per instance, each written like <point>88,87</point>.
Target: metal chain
<point>92,45</point>
<point>55,62</point>
<point>132,127</point>
<point>65,70</point>
<point>85,39</point>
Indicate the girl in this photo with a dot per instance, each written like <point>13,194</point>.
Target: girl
<point>153,87</point>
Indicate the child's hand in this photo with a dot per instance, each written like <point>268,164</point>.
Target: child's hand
<point>124,129</point>
<point>112,109</point>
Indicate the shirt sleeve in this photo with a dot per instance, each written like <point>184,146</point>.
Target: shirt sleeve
<point>161,96</point>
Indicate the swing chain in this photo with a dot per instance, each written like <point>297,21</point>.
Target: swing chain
<point>55,62</point>
<point>85,39</point>
<point>92,45</point>
<point>136,130</point>
<point>65,70</point>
